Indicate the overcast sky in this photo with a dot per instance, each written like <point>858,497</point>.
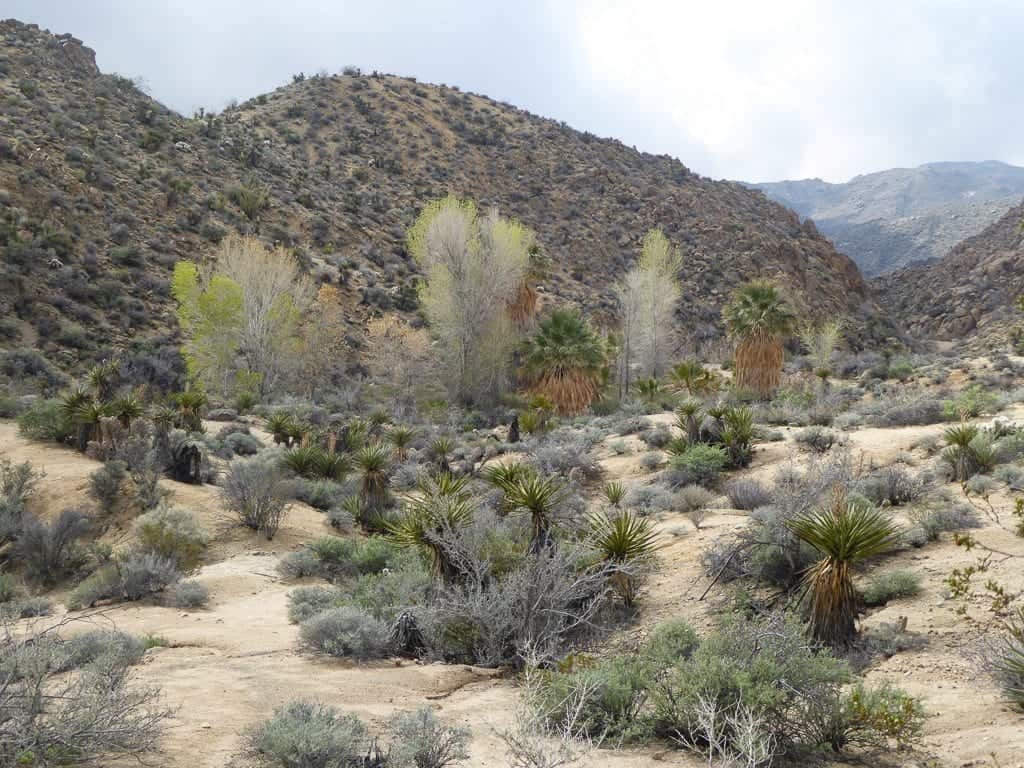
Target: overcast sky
<point>755,90</point>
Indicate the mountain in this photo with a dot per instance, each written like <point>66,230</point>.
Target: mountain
<point>970,291</point>
<point>102,190</point>
<point>894,218</point>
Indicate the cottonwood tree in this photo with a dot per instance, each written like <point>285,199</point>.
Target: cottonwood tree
<point>244,317</point>
<point>647,298</point>
<point>323,342</point>
<point>401,357</point>
<point>475,266</point>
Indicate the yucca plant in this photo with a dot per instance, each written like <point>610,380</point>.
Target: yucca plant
<point>279,425</point>
<point>613,492</point>
<point>1008,659</point>
<point>331,465</point>
<point>190,404</point>
<point>440,451</point>
<point>845,533</point>
<point>126,409</point>
<point>565,360</point>
<point>738,435</point>
<point>442,507</point>
<point>758,318</point>
<point>373,460</point>
<point>967,451</point>
<point>505,477</point>
<point>401,438</point>
<point>688,416</point>
<point>84,413</point>
<point>626,541</point>
<point>164,417</point>
<point>103,379</point>
<point>355,435</point>
<point>303,460</point>
<point>539,497</point>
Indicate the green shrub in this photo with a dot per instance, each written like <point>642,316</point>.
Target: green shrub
<point>97,644</point>
<point>106,482</point>
<point>307,735</point>
<point>321,494</point>
<point>173,533</point>
<point>816,439</point>
<point>346,631</point>
<point>876,719</point>
<point>701,463</point>
<point>133,577</point>
<point>51,550</point>
<point>420,740</point>
<point>45,420</point>
<point>884,587</point>
<point>671,642</point>
<point>306,602</point>
<point>972,402</point>
<point>190,594</point>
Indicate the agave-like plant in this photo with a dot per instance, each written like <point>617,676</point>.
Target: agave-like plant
<point>401,438</point>
<point>432,518</point>
<point>355,435</point>
<point>845,533</point>
<point>373,461</point>
<point>688,416</point>
<point>758,318</point>
<point>191,403</point>
<point>126,409</point>
<point>279,425</point>
<point>614,492</point>
<point>738,435</point>
<point>967,451</point>
<point>103,379</point>
<point>626,541</point>
<point>332,465</point>
<point>441,451</point>
<point>303,460</point>
<point>539,497</point>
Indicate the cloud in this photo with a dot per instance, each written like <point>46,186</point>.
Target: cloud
<point>736,89</point>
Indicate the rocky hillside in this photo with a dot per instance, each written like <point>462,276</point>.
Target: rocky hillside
<point>102,189</point>
<point>969,292</point>
<point>894,218</point>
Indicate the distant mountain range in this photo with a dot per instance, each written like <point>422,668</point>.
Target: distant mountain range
<point>891,219</point>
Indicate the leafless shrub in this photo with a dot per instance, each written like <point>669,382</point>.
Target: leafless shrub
<point>746,493</point>
<point>253,492</point>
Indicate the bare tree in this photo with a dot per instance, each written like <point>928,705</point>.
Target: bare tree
<point>475,266</point>
<point>647,298</point>
<point>402,358</point>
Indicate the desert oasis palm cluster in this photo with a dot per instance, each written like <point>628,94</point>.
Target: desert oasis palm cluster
<point>374,423</point>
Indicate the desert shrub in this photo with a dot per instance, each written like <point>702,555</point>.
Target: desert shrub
<point>306,602</point>
<point>602,698</point>
<point>240,444</point>
<point>972,402</point>
<point>894,486</point>
<point>32,607</point>
<point>749,494</point>
<point>172,533</point>
<point>45,420</point>
<point>875,719</point>
<point>652,460</point>
<point>656,437</point>
<point>88,647</point>
<point>701,463</point>
<point>981,485</point>
<point>321,494</point>
<point>132,577</point>
<point>619,447</point>
<point>51,551</point>
<point>253,492</point>
<point>333,557</point>
<point>1004,657</point>
<point>106,482</point>
<point>419,740</point>
<point>346,631</point>
<point>190,594</point>
<point>1012,475</point>
<point>299,565</point>
<point>914,411</point>
<point>817,439</point>
<point>647,499</point>
<point>9,588</point>
<point>307,735</point>
<point>95,713</point>
<point>766,668</point>
<point>884,587</point>
<point>693,497</point>
<point>886,640</point>
<point>562,452</point>
<point>942,516</point>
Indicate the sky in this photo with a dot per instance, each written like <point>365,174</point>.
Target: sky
<point>757,91</point>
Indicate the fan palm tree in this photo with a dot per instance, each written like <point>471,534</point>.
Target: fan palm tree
<point>539,497</point>
<point>692,378</point>
<point>442,507</point>
<point>565,360</point>
<point>649,390</point>
<point>758,318</point>
<point>625,541</point>
<point>845,533</point>
<point>373,460</point>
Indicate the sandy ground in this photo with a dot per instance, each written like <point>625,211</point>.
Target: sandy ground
<point>232,663</point>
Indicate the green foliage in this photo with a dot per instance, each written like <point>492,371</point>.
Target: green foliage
<point>701,463</point>
<point>884,587</point>
<point>308,735</point>
<point>441,508</point>
<point>45,420</point>
<point>565,360</point>
<point>346,631</point>
<point>878,718</point>
<point>212,318</point>
<point>970,403</point>
<point>105,484</point>
<point>173,533</point>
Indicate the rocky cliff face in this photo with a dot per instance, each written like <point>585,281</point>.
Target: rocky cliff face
<point>970,291</point>
<point>895,218</point>
<point>102,189</point>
